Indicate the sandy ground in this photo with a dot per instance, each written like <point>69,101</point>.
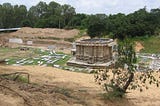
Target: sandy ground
<point>27,32</point>
<point>53,75</point>
<point>83,85</point>
<point>138,46</point>
<point>83,37</point>
<point>78,82</point>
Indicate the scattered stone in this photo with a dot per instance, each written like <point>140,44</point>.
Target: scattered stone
<point>24,48</point>
<point>7,59</point>
<point>44,65</point>
<point>16,40</point>
<point>57,66</point>
<point>29,42</point>
<point>16,65</point>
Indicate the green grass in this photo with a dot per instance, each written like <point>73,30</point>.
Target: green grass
<point>64,91</point>
<point>11,61</point>
<point>19,78</point>
<point>22,79</point>
<point>6,50</point>
<point>29,56</point>
<point>39,52</point>
<point>151,44</point>
<point>80,34</point>
<point>62,62</point>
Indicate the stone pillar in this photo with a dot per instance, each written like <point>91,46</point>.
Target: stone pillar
<point>77,52</point>
<point>110,52</point>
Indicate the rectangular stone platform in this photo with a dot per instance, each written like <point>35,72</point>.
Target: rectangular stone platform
<point>81,64</point>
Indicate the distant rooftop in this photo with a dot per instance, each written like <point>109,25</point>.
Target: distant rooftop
<point>96,41</point>
<point>9,29</point>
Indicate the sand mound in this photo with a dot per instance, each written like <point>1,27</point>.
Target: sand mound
<point>138,46</point>
<point>45,32</point>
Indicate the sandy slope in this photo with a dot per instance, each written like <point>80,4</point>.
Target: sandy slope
<point>51,75</point>
<point>82,82</point>
<point>28,32</point>
<point>138,46</point>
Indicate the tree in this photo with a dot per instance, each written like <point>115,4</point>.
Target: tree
<point>67,12</point>
<point>96,27</point>
<point>26,23</point>
<point>123,75</point>
<point>77,20</point>
<point>7,15</point>
<point>41,9</point>
<point>36,13</point>
<point>54,9</point>
<point>20,14</point>
<point>1,16</point>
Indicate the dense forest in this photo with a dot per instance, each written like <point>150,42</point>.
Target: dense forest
<point>55,15</point>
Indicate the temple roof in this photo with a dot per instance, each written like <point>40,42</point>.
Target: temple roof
<point>95,41</point>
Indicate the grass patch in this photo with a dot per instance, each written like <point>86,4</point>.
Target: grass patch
<point>60,53</point>
<point>114,95</point>
<point>80,34</point>
<point>151,44</point>
<point>69,39</point>
<point>22,79</point>
<point>5,50</point>
<point>63,91</point>
<point>62,62</point>
<point>16,53</point>
<point>34,57</point>
<point>53,38</point>
<point>14,77</point>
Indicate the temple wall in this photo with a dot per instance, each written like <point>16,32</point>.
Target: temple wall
<point>93,53</point>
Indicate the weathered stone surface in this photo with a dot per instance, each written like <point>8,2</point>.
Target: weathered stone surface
<point>16,40</point>
<point>93,51</point>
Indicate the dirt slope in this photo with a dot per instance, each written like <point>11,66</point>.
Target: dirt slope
<point>82,87</point>
<point>41,38</point>
<point>27,32</point>
<point>77,89</point>
<point>138,46</point>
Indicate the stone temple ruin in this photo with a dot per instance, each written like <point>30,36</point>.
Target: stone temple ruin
<point>93,53</point>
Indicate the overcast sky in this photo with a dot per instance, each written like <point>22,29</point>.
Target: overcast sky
<point>97,6</point>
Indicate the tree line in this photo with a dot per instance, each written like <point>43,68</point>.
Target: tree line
<point>55,15</point>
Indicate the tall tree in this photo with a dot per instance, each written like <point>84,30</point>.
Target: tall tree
<point>123,74</point>
<point>96,27</point>
<point>67,12</point>
<point>20,14</point>
<point>7,15</point>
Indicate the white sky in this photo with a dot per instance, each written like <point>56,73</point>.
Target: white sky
<point>97,6</point>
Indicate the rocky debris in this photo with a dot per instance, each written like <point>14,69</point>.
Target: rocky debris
<point>155,64</point>
<point>15,40</point>
<point>45,58</point>
<point>2,61</point>
<point>148,61</point>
